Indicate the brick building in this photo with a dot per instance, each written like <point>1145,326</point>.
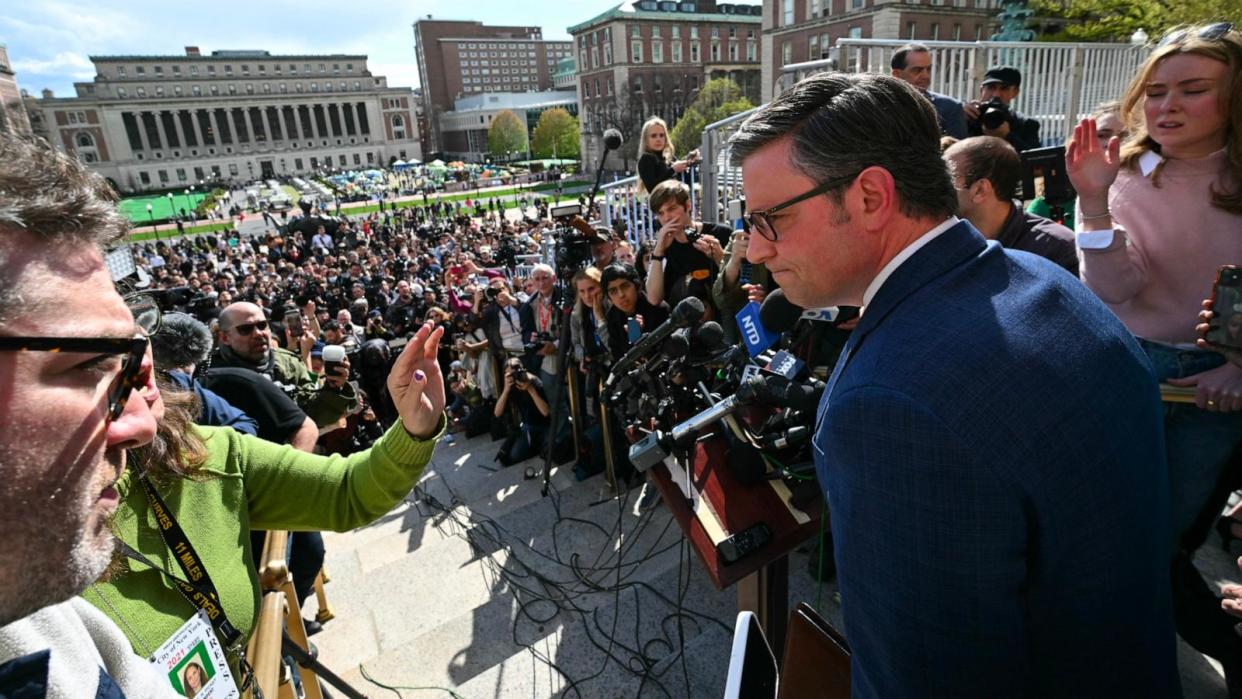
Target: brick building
<point>797,31</point>
<point>647,58</point>
<point>461,58</point>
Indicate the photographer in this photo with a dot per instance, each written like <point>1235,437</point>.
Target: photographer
<point>991,114</point>
<point>525,393</point>
<point>687,254</point>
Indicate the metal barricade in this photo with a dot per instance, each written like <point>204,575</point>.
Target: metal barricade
<point>620,201</point>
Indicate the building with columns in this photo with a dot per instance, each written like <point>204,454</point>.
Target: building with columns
<point>159,122</point>
<point>647,58</point>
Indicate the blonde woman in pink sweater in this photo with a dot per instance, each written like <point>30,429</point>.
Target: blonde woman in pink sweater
<point>1158,215</point>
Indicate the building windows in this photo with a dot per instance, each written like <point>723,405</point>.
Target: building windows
<point>177,90</point>
<point>657,51</point>
<point>957,32</point>
<point>856,5</point>
<point>676,52</point>
<point>323,67</point>
<point>676,31</point>
<point>813,7</point>
<point>228,70</point>
<point>159,90</point>
<point>249,88</point>
<point>314,87</point>
<point>140,70</point>
<point>120,92</point>
<point>733,52</point>
<point>163,176</point>
<point>935,31</point>
<point>786,53</point>
<point>232,89</point>
<point>297,87</point>
<point>608,54</point>
<point>636,51</point>
<point>194,71</point>
<point>181,175</point>
<point>750,49</point>
<point>211,70</point>
<point>694,52</point>
<point>787,12</point>
<point>120,71</point>
<point>635,31</point>
<point>812,48</point>
<point>215,90</point>
<point>855,32</point>
<point>144,177</point>
<point>715,51</point>
<point>694,32</point>
<point>141,91</point>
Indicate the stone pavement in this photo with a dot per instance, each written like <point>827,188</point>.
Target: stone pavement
<point>479,585</point>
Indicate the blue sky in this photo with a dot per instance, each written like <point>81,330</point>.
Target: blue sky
<point>49,41</point>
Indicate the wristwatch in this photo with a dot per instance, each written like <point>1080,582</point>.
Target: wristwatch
<point>658,257</point>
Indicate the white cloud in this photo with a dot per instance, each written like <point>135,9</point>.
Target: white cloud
<point>68,63</point>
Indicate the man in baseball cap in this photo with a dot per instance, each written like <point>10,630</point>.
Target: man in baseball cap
<point>993,114</point>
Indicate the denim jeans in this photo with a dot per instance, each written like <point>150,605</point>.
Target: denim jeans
<point>1198,443</point>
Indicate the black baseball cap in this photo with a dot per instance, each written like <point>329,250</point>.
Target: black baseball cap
<point>1003,75</point>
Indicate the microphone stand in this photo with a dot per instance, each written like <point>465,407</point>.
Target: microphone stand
<point>599,174</point>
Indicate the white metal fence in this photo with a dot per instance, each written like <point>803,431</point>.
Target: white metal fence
<point>1061,83</point>
<point>620,201</point>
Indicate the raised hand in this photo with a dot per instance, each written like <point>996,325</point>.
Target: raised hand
<point>1091,168</point>
<point>416,384</point>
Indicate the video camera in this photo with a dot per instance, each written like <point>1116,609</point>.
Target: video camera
<point>573,244</point>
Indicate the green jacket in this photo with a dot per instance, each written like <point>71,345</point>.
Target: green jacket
<point>324,405</point>
<point>245,483</point>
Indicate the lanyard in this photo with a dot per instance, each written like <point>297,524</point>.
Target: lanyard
<point>199,589</point>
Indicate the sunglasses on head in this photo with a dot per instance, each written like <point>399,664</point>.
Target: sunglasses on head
<point>245,329</point>
<point>1211,32</point>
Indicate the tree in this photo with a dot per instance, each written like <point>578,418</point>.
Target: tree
<point>556,135</point>
<point>1116,20</point>
<point>506,134</point>
<point>718,99</point>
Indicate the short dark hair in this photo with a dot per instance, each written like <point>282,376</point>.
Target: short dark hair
<point>331,325</point>
<point>899,56</point>
<point>615,271</point>
<point>988,158</point>
<point>666,191</point>
<point>842,124</point>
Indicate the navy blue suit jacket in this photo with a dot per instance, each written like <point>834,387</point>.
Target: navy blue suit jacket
<point>992,452</point>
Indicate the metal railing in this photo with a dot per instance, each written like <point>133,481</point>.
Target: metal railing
<point>1061,82</point>
<point>620,201</point>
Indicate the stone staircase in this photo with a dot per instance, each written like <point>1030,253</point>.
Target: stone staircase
<point>479,587</point>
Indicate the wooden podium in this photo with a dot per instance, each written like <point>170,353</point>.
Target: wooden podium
<point>724,507</point>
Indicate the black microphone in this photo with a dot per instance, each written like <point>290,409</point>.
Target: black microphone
<point>612,139</point>
<point>685,314</point>
<point>777,313</point>
<point>710,337</point>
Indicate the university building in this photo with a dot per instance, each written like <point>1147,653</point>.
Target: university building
<point>458,58</point>
<point>157,122</point>
<point>797,31</point>
<point>647,58</point>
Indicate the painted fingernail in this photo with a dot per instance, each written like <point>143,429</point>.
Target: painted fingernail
<point>419,375</point>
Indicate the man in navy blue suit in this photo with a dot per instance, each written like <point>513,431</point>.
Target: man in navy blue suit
<point>990,441</point>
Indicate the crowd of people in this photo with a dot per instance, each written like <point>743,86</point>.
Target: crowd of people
<point>1013,510</point>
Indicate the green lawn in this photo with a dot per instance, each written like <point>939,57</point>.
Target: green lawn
<point>138,234</point>
<point>135,208</point>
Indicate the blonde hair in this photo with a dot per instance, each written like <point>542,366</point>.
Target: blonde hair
<point>666,154</point>
<point>1228,50</point>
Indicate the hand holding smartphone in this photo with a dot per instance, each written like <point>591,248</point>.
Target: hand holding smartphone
<point>1225,328</point>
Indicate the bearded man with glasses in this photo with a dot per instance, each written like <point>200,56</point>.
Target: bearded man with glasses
<point>71,377</point>
<point>990,439</point>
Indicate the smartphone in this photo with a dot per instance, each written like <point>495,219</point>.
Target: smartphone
<point>1226,326</point>
<point>634,330</point>
<point>293,321</point>
<point>333,355</point>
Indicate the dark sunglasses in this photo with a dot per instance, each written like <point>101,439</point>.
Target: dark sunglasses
<point>761,221</point>
<point>245,329</point>
<point>1211,32</point>
<point>133,350</point>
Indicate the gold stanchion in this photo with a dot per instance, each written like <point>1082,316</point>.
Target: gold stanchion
<point>605,428</point>
<point>575,417</point>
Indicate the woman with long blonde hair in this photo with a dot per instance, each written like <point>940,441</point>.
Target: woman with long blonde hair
<point>655,160</point>
<point>1157,217</point>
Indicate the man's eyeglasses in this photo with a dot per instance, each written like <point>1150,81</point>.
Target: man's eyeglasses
<point>244,329</point>
<point>1211,32</point>
<point>761,221</point>
<point>122,386</point>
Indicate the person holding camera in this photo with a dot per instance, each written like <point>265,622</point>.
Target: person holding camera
<point>992,115</point>
<point>687,253</point>
<point>656,164</point>
<point>525,394</point>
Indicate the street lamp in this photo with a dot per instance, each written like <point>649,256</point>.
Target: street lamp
<point>151,216</point>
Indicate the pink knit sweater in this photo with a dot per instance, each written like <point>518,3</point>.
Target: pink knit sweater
<point>1177,241</point>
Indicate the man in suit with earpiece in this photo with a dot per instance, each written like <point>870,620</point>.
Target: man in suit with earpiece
<point>990,440</point>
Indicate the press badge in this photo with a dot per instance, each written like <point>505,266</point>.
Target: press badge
<point>194,663</point>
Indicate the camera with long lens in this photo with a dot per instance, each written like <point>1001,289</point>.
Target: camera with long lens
<point>520,375</point>
<point>180,298</point>
<point>538,340</point>
<point>993,113</point>
<point>492,292</point>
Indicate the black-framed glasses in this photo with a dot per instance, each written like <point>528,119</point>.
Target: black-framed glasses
<point>244,329</point>
<point>132,349</point>
<point>146,311</point>
<point>761,221</point>
<point>1211,32</point>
